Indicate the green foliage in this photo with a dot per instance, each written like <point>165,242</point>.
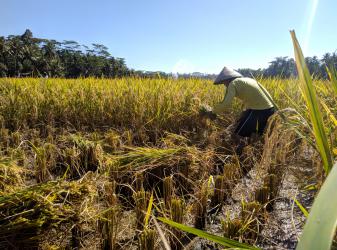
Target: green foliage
<point>284,67</point>
<point>26,55</point>
<point>310,97</point>
<point>319,230</point>
<point>214,238</point>
<point>304,211</point>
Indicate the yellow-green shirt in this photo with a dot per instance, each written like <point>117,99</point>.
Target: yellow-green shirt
<point>249,91</point>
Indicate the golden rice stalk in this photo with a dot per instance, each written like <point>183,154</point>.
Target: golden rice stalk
<point>45,161</point>
<point>167,190</point>
<point>109,227</point>
<point>177,213</point>
<point>201,207</point>
<point>332,73</point>
<point>109,223</point>
<point>112,141</point>
<point>177,210</point>
<point>219,192</point>
<point>11,176</point>
<point>90,156</point>
<point>231,174</point>
<point>232,228</point>
<point>253,215</point>
<point>330,114</point>
<point>28,213</point>
<point>147,239</point>
<point>110,191</point>
<point>253,211</point>
<point>138,181</point>
<point>141,199</point>
<point>15,138</point>
<point>4,138</point>
<point>76,234</point>
<point>262,195</point>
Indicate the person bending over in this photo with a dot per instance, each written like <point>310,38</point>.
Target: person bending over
<point>257,101</point>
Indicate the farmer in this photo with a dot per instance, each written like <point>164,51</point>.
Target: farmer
<point>257,101</point>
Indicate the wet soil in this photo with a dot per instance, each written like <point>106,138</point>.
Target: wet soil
<point>284,223</point>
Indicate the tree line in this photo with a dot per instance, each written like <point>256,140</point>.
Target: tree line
<point>285,67</point>
<point>25,55</point>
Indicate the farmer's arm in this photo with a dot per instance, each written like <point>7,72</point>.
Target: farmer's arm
<point>222,106</point>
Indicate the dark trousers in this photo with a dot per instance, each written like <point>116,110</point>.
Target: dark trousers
<point>253,121</point>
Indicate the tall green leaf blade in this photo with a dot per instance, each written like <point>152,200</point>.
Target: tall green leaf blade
<point>310,97</point>
<point>214,238</point>
<point>320,227</point>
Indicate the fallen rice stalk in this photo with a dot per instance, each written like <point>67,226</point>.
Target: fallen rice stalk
<point>27,213</point>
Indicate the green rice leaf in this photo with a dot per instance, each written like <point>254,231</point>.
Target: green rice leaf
<point>148,212</point>
<point>311,99</point>
<point>214,238</point>
<point>319,230</point>
<point>304,211</point>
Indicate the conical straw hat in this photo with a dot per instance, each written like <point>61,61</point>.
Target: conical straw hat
<point>225,74</point>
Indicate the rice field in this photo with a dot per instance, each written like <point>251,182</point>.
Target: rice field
<point>101,164</point>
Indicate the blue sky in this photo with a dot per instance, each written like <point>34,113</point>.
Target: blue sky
<point>181,35</point>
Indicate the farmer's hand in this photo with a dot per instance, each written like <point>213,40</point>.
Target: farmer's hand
<point>206,111</point>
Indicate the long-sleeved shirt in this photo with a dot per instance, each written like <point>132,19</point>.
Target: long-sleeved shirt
<point>249,91</point>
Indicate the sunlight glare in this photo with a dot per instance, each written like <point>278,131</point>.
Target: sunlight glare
<point>314,5</point>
